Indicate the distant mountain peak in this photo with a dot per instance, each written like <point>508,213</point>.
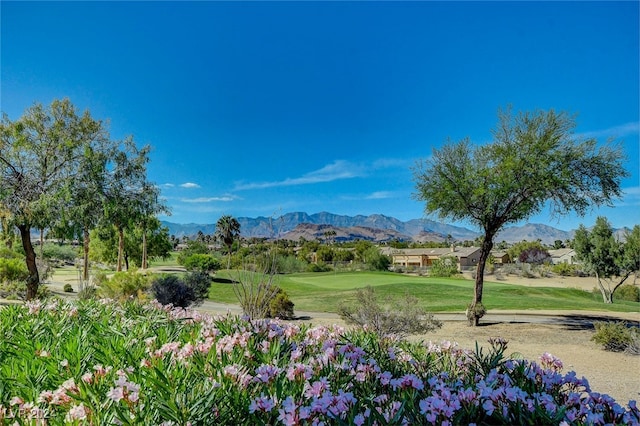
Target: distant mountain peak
<point>371,225</point>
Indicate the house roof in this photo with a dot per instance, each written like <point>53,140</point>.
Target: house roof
<point>562,252</point>
<point>458,252</point>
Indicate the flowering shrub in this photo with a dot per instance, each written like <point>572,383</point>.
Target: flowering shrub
<point>102,363</point>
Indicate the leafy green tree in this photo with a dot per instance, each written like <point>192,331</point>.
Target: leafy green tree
<point>362,248</point>
<point>128,178</point>
<point>149,205</point>
<point>87,193</point>
<point>39,154</point>
<point>325,254</point>
<point>105,242</point>
<point>534,160</point>
<point>611,261</point>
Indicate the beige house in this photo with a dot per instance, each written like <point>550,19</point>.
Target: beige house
<point>467,257</point>
<point>501,257</point>
<point>564,255</point>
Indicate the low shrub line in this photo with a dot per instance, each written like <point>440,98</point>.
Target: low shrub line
<point>103,362</point>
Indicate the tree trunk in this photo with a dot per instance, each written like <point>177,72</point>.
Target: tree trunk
<point>144,249</point>
<point>41,243</point>
<point>34,278</point>
<point>475,311</point>
<point>607,296</point>
<point>120,248</point>
<point>85,267</point>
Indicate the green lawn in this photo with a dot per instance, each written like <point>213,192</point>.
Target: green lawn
<point>322,292</point>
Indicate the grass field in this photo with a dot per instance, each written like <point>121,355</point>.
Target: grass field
<point>323,292</point>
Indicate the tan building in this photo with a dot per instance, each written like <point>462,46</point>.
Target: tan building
<point>467,257</point>
<point>564,255</point>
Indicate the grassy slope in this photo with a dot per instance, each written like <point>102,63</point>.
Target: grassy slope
<point>324,291</point>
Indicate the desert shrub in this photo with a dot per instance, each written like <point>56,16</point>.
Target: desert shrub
<point>318,267</point>
<point>201,262</point>
<point>88,293</point>
<point>124,285</point>
<point>13,269</point>
<point>181,292</point>
<point>477,311</point>
<point>614,336</point>
<point>68,288</point>
<point>291,264</point>
<point>444,267</point>
<point>628,292</point>
<point>400,318</point>
<point>281,306</point>
<point>565,269</point>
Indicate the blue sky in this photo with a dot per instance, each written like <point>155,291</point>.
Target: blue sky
<point>260,109</point>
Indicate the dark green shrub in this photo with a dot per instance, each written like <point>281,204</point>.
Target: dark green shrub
<point>318,267</point>
<point>200,282</point>
<point>201,262</point>
<point>628,292</point>
<point>68,288</point>
<point>444,267</point>
<point>281,306</point>
<point>613,336</point>
<point>171,289</point>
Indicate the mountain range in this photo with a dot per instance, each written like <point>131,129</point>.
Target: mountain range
<point>374,227</point>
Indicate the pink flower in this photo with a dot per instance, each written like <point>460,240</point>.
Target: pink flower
<point>76,412</point>
<point>16,400</point>
<point>263,403</point>
<point>115,394</point>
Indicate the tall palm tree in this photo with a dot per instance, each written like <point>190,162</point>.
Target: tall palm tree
<point>227,230</point>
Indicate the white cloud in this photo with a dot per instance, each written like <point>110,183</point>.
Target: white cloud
<point>167,185</point>
<point>631,196</point>
<point>207,199</point>
<point>190,185</point>
<point>337,170</point>
<point>379,195</point>
<point>613,132</point>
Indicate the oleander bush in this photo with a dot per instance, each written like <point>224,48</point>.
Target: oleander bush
<point>133,363</point>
